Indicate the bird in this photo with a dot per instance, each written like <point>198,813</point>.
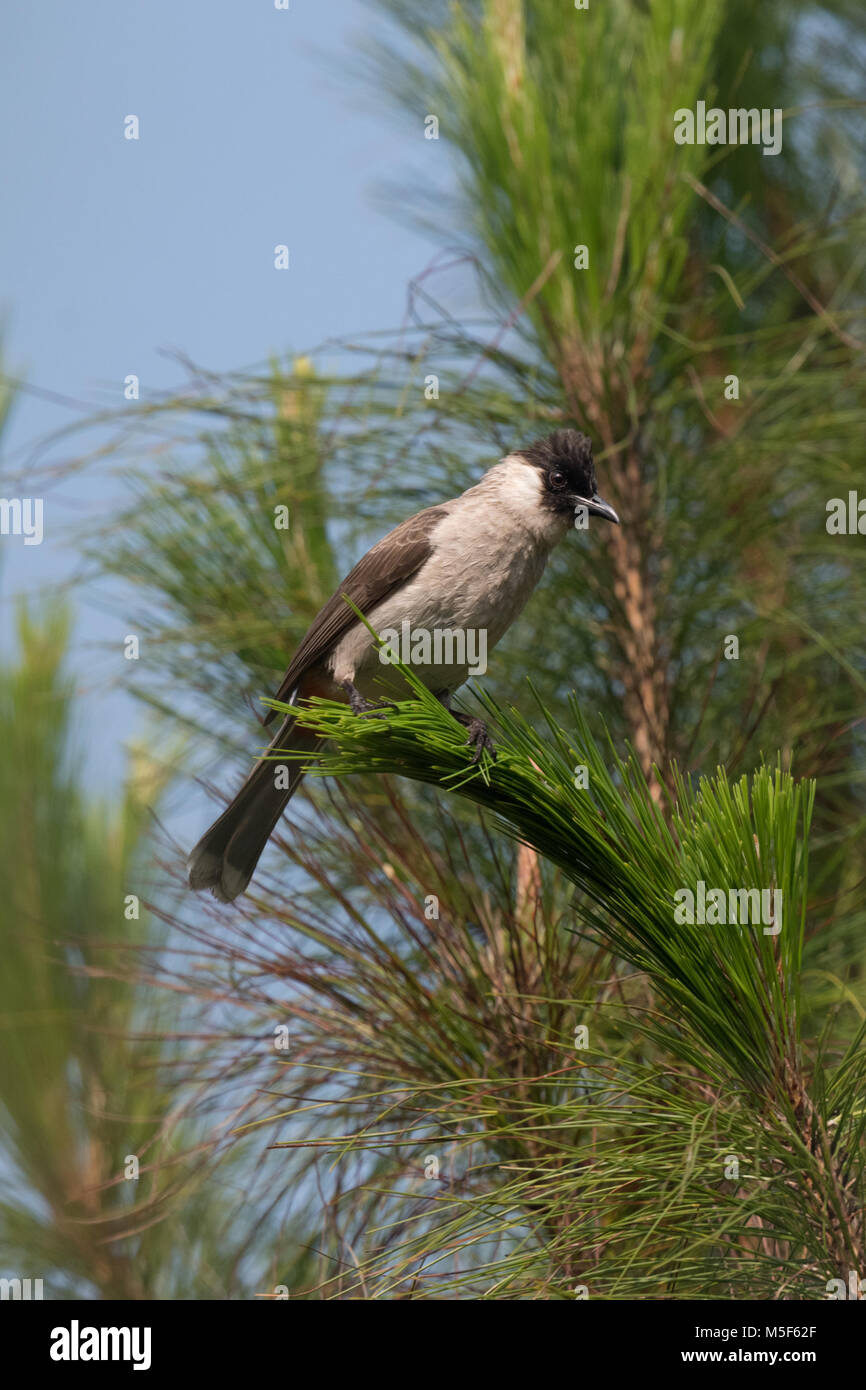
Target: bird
<point>468,564</point>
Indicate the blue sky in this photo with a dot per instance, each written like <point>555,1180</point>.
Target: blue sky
<point>113,251</point>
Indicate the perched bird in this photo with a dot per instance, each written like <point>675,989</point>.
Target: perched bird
<point>469,564</point>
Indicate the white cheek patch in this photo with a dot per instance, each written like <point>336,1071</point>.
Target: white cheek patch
<point>521,483</point>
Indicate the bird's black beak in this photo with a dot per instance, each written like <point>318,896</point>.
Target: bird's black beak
<point>596,506</point>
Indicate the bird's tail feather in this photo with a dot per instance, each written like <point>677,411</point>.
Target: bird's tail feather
<point>226,855</point>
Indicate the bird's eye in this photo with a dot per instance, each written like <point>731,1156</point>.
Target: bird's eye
<point>556,480</point>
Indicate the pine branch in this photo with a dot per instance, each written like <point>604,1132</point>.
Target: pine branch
<point>731,990</point>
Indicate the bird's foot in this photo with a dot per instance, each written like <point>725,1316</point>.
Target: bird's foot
<point>376,709</point>
<point>478,735</point>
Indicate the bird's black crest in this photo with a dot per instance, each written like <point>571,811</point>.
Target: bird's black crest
<point>568,452</point>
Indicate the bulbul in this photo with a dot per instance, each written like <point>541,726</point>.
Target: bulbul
<point>466,565</point>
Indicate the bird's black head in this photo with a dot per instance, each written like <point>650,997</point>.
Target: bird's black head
<point>564,460</point>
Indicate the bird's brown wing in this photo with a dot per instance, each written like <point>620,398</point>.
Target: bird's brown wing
<point>392,561</point>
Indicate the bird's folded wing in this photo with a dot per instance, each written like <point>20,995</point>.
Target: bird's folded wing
<point>390,563</point>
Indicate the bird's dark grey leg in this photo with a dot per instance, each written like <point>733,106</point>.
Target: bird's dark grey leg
<point>478,735</point>
<point>359,705</point>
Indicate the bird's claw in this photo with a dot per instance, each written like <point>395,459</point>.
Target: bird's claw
<point>358,704</point>
<point>376,709</point>
<point>479,738</point>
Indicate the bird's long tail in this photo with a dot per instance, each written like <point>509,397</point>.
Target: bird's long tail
<point>226,855</point>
